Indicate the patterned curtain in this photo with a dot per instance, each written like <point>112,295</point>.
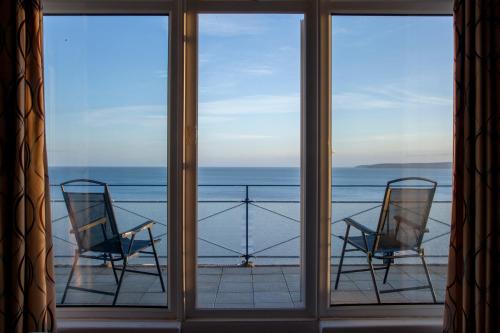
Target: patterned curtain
<point>473,294</point>
<point>27,296</point>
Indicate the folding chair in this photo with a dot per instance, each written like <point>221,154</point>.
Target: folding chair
<point>401,228</point>
<point>93,223</point>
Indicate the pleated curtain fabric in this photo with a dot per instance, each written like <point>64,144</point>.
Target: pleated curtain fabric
<point>27,294</point>
<point>473,294</point>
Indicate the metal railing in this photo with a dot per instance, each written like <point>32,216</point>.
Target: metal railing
<point>247,201</point>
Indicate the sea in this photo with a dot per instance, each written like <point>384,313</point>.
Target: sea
<point>249,211</point>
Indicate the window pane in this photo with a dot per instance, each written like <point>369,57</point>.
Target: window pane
<point>391,118</point>
<point>249,225</point>
<point>106,104</point>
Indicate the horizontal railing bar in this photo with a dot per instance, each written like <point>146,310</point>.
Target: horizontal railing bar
<point>250,185</point>
<point>257,256</point>
<point>256,201</point>
<point>122,201</point>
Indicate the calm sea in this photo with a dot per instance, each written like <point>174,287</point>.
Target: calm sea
<point>273,216</point>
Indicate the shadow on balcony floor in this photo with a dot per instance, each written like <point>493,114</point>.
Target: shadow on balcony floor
<point>244,287</point>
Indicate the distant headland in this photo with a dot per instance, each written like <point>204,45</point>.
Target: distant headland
<point>434,165</point>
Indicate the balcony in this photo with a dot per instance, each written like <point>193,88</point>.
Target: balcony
<point>248,249</point>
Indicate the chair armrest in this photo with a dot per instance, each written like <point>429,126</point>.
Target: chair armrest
<point>358,226</point>
<point>91,225</point>
<point>139,228</point>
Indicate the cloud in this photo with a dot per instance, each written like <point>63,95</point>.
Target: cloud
<point>287,49</point>
<point>340,31</point>
<point>257,70</point>
<point>409,96</point>
<point>361,101</point>
<point>397,138</point>
<point>386,98</point>
<point>204,120</point>
<point>245,137</point>
<point>124,114</point>
<point>204,58</point>
<point>161,73</point>
<point>230,25</point>
<point>257,104</point>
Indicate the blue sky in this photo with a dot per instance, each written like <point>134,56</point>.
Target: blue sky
<point>392,81</point>
<point>106,90</point>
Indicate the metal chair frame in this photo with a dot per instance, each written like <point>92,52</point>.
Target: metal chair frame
<point>387,256</point>
<point>113,256</point>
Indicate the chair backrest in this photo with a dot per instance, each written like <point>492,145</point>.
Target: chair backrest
<point>91,213</point>
<point>404,214</point>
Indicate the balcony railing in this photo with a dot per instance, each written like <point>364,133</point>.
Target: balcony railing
<point>280,203</point>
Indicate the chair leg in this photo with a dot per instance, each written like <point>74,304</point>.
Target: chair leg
<point>372,271</point>
<point>70,277</point>
<point>428,277</point>
<point>156,260</point>
<point>387,272</point>
<point>113,267</point>
<point>342,257</point>
<point>120,281</point>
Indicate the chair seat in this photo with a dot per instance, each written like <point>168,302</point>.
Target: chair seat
<point>112,246</point>
<point>385,245</point>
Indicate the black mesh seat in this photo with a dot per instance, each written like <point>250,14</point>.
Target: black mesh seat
<point>110,247</point>
<point>93,223</point>
<point>400,230</point>
<point>387,245</point>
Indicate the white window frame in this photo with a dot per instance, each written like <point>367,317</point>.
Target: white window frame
<point>309,231</point>
<point>171,9</point>
<point>328,8</point>
<point>182,155</point>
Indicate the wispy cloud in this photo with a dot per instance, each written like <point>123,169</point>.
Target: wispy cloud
<point>246,137</point>
<point>204,120</point>
<point>124,114</point>
<point>287,49</point>
<point>386,98</point>
<point>161,73</point>
<point>234,25</point>
<point>341,31</point>
<point>410,96</point>
<point>258,104</point>
<point>204,58</point>
<point>257,70</point>
<point>361,101</point>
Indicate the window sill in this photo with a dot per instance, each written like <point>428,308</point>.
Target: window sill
<point>408,325</point>
<point>354,325</point>
<point>117,326</point>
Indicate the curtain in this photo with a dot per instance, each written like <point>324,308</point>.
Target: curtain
<point>473,294</point>
<point>27,295</point>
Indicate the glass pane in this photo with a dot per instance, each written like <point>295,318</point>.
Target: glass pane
<point>391,118</point>
<point>106,105</point>
<point>249,225</point>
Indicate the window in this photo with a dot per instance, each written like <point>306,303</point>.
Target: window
<point>248,152</point>
<point>106,104</point>
<point>391,119</point>
<point>249,209</point>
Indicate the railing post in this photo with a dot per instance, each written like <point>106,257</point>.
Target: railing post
<point>246,262</point>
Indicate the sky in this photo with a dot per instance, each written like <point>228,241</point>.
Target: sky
<point>106,90</point>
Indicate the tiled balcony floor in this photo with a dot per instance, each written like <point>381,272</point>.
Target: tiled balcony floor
<point>245,287</point>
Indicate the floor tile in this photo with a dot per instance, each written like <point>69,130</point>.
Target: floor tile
<point>234,298</point>
<point>272,297</point>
